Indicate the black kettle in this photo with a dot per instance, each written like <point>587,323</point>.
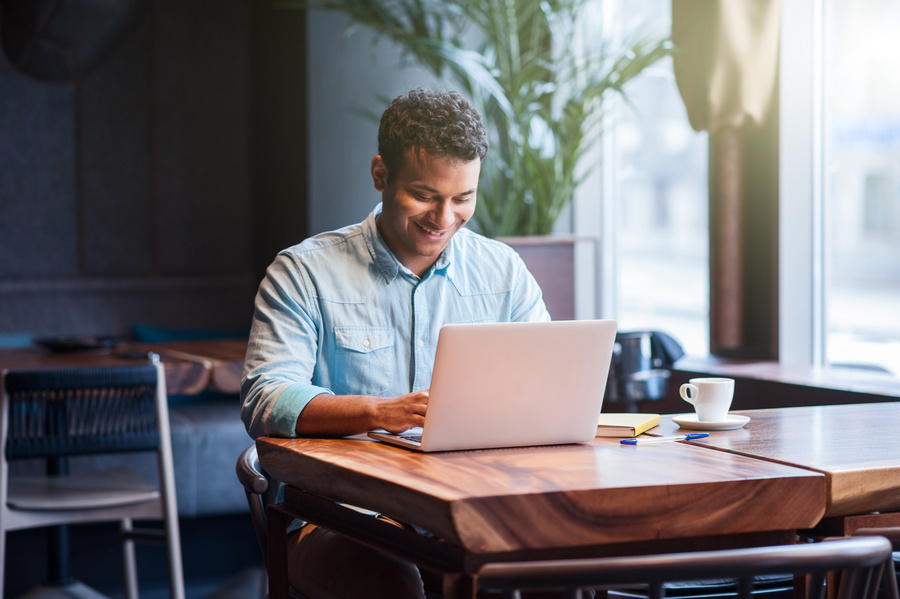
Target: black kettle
<point>640,366</point>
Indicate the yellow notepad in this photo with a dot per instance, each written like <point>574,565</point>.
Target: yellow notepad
<point>625,425</point>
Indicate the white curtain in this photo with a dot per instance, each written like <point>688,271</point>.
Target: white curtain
<point>726,60</point>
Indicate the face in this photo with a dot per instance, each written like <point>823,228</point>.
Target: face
<point>428,200</point>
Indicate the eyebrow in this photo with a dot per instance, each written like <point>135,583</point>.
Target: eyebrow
<point>428,188</point>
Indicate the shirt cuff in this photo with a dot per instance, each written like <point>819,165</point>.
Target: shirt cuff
<point>287,408</point>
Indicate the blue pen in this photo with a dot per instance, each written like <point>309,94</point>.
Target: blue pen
<point>645,440</point>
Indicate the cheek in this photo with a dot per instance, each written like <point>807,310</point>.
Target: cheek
<point>467,212</point>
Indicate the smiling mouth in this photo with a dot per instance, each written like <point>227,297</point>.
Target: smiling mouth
<point>432,233</point>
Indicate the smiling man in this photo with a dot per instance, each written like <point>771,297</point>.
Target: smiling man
<point>346,323</point>
<point>426,201</point>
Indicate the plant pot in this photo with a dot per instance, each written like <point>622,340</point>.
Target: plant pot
<point>551,259</point>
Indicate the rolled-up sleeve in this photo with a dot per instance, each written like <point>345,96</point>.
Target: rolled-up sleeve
<point>528,300</point>
<point>281,352</point>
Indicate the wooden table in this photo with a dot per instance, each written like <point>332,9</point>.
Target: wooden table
<point>594,499</point>
<point>222,360</point>
<point>191,366</point>
<point>855,446</point>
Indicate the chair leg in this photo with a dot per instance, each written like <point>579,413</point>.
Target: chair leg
<point>129,561</point>
<point>873,579</point>
<point>816,586</point>
<point>890,581</point>
<point>170,518</point>
<point>745,588</point>
<point>173,548</point>
<point>58,555</point>
<point>2,558</point>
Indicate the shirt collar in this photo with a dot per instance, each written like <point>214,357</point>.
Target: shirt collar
<point>383,257</point>
<point>385,260</point>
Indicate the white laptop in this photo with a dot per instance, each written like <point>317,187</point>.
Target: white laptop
<point>513,385</point>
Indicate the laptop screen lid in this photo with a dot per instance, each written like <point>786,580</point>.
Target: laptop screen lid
<point>515,384</point>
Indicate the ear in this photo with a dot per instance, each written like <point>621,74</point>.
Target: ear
<point>379,173</point>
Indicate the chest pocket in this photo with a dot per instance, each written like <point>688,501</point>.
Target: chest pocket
<point>363,360</point>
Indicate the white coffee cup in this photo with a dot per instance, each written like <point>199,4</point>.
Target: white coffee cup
<point>711,397</point>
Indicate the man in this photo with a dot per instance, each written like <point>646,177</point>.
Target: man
<point>346,323</point>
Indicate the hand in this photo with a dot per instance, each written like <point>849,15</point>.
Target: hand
<point>396,414</point>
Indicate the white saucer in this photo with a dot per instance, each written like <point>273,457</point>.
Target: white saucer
<point>731,422</point>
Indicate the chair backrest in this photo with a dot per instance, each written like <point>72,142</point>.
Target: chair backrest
<point>260,491</point>
<point>860,559</point>
<point>60,413</point>
<point>892,533</point>
<point>890,579</point>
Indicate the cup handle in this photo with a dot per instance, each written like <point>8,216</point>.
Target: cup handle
<point>688,392</point>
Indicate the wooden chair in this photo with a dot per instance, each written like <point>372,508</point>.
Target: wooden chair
<point>861,560</point>
<point>56,414</point>
<point>261,491</point>
<point>890,580</point>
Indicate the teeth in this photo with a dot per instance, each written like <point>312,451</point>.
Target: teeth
<point>431,232</point>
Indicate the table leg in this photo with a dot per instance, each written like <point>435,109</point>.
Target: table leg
<point>276,551</point>
<point>801,586</point>
<point>459,586</point>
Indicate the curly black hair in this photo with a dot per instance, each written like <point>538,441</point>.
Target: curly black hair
<point>442,123</point>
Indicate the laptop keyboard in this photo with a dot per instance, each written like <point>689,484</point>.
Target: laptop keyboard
<point>412,437</point>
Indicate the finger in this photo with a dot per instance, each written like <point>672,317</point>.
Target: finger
<point>422,395</point>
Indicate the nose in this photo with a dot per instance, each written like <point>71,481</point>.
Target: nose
<point>443,214</point>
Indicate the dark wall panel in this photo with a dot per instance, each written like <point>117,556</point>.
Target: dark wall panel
<point>202,93</point>
<point>222,304</point>
<point>127,196</point>
<point>117,161</point>
<point>279,131</point>
<point>37,177</point>
<point>111,307</point>
<point>50,312</point>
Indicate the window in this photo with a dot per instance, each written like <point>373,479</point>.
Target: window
<point>655,196</point>
<point>862,184</point>
<point>840,184</point>
<point>661,235</point>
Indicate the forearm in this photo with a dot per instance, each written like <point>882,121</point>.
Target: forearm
<point>341,415</point>
<point>271,405</point>
<point>337,415</point>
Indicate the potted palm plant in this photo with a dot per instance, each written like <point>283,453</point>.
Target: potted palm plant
<point>538,78</point>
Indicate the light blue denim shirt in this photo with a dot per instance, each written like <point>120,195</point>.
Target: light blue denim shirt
<point>339,314</point>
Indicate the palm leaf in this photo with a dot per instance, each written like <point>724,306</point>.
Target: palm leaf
<point>541,101</point>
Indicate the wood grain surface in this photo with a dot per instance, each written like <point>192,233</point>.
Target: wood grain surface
<point>559,496</point>
<point>191,366</point>
<point>855,446</point>
<point>224,358</point>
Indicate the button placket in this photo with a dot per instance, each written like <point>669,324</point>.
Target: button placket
<point>420,310</point>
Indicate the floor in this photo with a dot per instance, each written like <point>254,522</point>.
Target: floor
<point>247,584</point>
<point>221,560</point>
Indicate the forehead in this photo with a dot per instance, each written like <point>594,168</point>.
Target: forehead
<point>418,162</point>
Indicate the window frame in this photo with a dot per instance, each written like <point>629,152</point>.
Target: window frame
<point>801,291</point>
